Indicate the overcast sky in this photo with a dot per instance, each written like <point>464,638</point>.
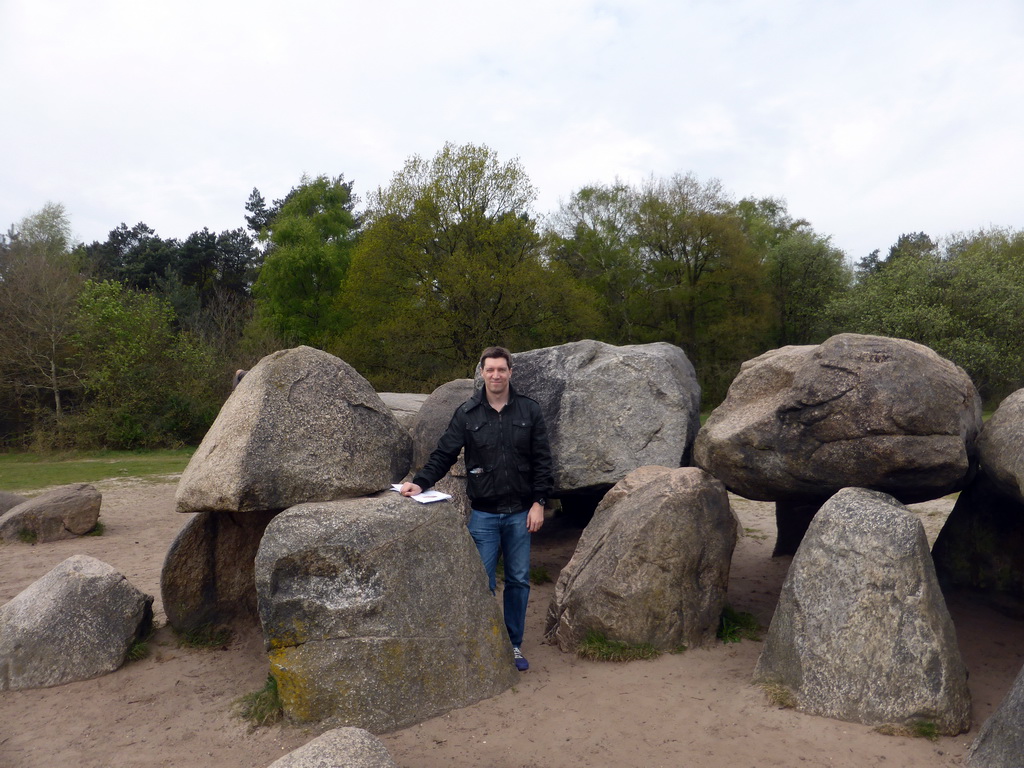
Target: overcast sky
<point>869,117</point>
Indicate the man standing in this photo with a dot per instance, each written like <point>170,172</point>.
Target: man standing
<point>508,461</point>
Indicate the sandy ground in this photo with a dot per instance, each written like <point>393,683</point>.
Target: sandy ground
<point>698,708</point>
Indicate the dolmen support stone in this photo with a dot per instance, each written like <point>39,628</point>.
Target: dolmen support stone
<point>301,426</point>
<point>376,613</point>
<point>1000,741</point>
<point>75,623</point>
<point>339,748</point>
<point>60,513</point>
<point>981,545</point>
<point>861,632</point>
<point>799,423</point>
<point>652,566</point>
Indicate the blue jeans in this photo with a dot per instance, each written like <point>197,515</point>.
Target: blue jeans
<point>506,534</point>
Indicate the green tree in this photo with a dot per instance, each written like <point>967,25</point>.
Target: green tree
<point>39,287</point>
<point>146,383</point>
<point>964,300</point>
<point>310,240</point>
<point>450,262</point>
<point>594,236</point>
<point>805,273</point>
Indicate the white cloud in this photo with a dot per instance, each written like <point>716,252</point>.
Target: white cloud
<point>871,118</point>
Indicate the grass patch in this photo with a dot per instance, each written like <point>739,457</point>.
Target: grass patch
<point>97,530</point>
<point>597,647</point>
<point>138,650</point>
<point>918,729</point>
<point>205,637</point>
<point>539,575</point>
<point>779,695</point>
<point>736,625</point>
<point>28,536</point>
<point>755,533</point>
<point>262,707</point>
<point>32,471</point>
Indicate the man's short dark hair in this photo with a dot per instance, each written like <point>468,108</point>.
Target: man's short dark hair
<point>496,352</point>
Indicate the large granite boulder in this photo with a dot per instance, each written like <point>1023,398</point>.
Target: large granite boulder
<point>61,513</point>
<point>861,631</point>
<point>981,544</point>
<point>1001,446</point>
<point>9,500</point>
<point>652,566</point>
<point>376,613</point>
<point>610,410</point>
<point>802,422</point>
<point>799,423</point>
<point>76,622</point>
<point>207,576</point>
<point>404,405</point>
<point>339,748</point>
<point>302,425</point>
<point>1000,741</point>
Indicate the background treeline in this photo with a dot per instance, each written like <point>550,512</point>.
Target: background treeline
<point>132,342</point>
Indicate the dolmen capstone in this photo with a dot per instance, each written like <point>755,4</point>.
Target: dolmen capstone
<point>75,623</point>
<point>608,410</point>
<point>404,405</point>
<point>652,566</point>
<point>981,544</point>
<point>376,613</point>
<point>861,631</point>
<point>799,423</point>
<point>1000,740</point>
<point>339,748</point>
<point>301,426</point>
<point>60,513</point>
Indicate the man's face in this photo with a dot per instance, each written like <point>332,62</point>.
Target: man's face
<point>496,374</point>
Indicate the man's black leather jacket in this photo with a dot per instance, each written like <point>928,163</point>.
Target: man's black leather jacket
<point>508,458</point>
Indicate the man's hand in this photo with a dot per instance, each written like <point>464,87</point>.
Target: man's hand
<point>535,518</point>
<point>410,489</point>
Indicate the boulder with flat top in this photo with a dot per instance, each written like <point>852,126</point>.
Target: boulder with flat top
<point>60,513</point>
<point>376,613</point>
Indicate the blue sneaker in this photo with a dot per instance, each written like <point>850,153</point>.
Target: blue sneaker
<point>521,663</point>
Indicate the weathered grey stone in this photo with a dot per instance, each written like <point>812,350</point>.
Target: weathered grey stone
<point>861,632</point>
<point>799,423</point>
<point>981,544</point>
<point>207,576</point>
<point>1000,741</point>
<point>76,622</point>
<point>1001,445</point>
<point>10,500</point>
<point>404,405</point>
<point>376,613</point>
<point>339,748</point>
<point>302,425</point>
<point>652,566</point>
<point>611,409</point>
<point>60,513</point>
